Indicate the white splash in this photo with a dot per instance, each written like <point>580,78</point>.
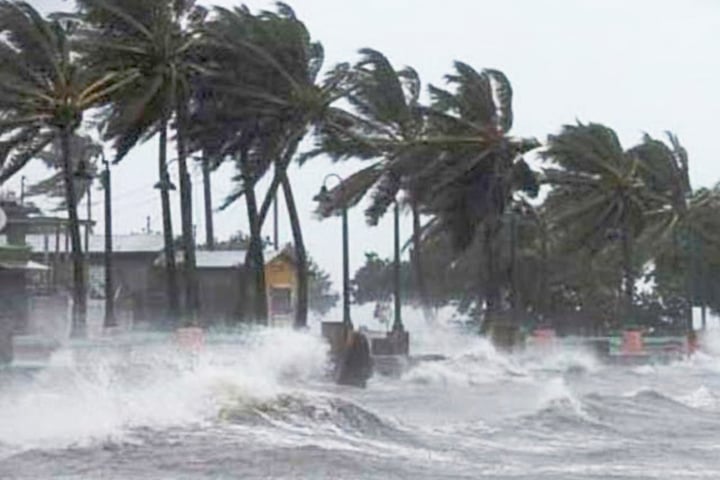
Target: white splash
<point>102,394</point>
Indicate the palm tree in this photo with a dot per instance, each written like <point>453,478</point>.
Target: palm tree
<point>266,68</point>
<point>471,167</point>
<point>44,92</point>
<point>680,223</point>
<point>86,151</point>
<point>151,43</point>
<point>388,115</point>
<point>598,194</point>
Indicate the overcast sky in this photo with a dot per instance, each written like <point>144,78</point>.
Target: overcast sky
<point>640,66</point>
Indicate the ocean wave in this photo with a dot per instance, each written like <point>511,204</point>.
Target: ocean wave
<point>314,412</point>
<point>98,395</point>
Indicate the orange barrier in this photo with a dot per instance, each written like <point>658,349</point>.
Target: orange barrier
<point>544,337</point>
<point>190,338</point>
<point>632,343</point>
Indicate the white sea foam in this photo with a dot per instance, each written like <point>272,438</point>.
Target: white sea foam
<point>102,394</point>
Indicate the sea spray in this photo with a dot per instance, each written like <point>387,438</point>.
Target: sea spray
<point>101,394</point>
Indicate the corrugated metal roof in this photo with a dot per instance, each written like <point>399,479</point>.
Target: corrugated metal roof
<point>220,258</point>
<point>130,243</point>
<point>217,258</point>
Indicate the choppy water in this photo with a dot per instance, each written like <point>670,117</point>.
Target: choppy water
<point>259,406</point>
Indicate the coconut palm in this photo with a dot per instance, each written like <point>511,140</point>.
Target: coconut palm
<point>388,115</point>
<point>151,42</point>
<point>471,167</point>
<point>44,92</point>
<point>680,223</point>
<point>599,194</point>
<point>266,74</point>
<point>86,151</point>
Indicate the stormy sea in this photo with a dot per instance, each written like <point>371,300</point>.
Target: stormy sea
<point>259,404</point>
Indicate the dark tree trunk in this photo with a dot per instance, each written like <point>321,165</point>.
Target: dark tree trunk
<point>255,257</point>
<point>628,271</point>
<point>79,311</point>
<point>173,292</point>
<point>417,263</point>
<point>280,171</point>
<point>492,287</point>
<point>209,227</point>
<point>192,300</point>
<point>514,301</point>
<point>545,301</point>
<point>301,313</point>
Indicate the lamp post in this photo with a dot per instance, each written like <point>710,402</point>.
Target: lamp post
<point>323,198</point>
<point>109,288</point>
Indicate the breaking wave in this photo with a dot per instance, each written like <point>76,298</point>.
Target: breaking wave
<point>93,394</point>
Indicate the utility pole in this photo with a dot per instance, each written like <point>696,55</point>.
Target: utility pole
<point>110,320</point>
<point>22,190</point>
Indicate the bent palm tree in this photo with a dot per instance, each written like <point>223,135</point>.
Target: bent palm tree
<point>43,94</point>
<point>85,153</point>
<point>598,194</point>
<point>389,114</point>
<point>680,223</point>
<point>470,166</point>
<point>265,71</point>
<point>150,42</point>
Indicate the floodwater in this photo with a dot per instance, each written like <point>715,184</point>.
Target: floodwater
<point>259,405</point>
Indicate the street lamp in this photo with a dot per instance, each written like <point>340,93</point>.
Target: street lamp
<point>110,320</point>
<point>323,198</point>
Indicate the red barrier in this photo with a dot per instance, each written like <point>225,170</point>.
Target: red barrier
<point>544,337</point>
<point>632,342</point>
<point>190,338</point>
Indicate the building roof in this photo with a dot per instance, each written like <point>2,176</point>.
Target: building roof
<point>22,265</point>
<point>218,258</point>
<point>129,243</point>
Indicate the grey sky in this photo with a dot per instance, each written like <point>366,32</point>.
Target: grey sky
<point>640,66</point>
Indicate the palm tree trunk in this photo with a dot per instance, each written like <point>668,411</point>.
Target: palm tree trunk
<point>192,300</point>
<point>545,302</point>
<point>79,310</point>
<point>207,193</point>
<point>256,257</point>
<point>492,287</point>
<point>629,274</point>
<point>301,312</point>
<point>280,170</point>
<point>417,263</point>
<point>173,292</point>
